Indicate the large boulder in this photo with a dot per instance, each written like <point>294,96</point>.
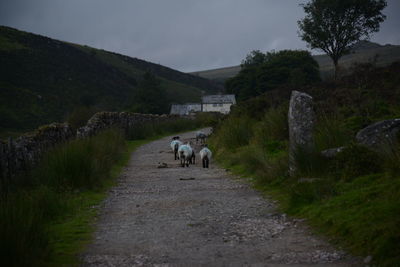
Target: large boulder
<point>301,119</point>
<point>379,134</point>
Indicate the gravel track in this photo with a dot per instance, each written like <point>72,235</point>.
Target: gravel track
<point>161,217</point>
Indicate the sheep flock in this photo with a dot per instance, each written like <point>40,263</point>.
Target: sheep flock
<point>187,154</point>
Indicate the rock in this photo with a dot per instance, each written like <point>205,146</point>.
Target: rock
<point>368,259</point>
<point>301,119</point>
<point>330,153</point>
<point>162,165</point>
<point>379,134</point>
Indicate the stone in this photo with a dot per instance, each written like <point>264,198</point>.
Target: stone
<point>380,134</point>
<point>331,152</point>
<point>368,259</point>
<point>301,120</point>
<point>24,152</point>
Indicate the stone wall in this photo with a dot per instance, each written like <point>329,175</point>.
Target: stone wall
<point>24,152</point>
<point>124,120</point>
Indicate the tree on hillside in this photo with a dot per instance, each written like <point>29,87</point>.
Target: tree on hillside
<point>149,97</point>
<point>254,58</point>
<point>334,26</point>
<point>286,67</point>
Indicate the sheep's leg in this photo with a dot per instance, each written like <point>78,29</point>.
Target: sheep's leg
<point>207,162</point>
<point>204,162</point>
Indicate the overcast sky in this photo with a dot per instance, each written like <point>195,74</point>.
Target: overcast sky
<point>187,35</point>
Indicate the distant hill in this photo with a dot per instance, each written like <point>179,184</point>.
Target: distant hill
<point>42,80</point>
<point>363,51</point>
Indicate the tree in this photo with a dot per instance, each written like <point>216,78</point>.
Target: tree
<point>254,58</point>
<point>149,97</point>
<point>292,67</point>
<point>334,26</point>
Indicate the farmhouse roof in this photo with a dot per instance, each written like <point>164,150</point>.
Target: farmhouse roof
<point>218,99</point>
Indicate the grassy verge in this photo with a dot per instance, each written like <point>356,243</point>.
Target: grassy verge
<point>354,199</point>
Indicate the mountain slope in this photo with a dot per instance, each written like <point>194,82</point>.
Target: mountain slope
<point>42,80</point>
<point>363,51</point>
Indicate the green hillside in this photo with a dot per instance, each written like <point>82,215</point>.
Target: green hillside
<point>42,80</point>
<point>363,52</point>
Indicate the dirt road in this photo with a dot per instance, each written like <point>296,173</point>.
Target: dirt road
<point>164,217</point>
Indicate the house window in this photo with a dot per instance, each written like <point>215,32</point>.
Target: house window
<point>220,105</point>
<point>215,105</point>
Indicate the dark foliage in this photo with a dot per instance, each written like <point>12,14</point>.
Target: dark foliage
<point>149,96</point>
<point>264,73</point>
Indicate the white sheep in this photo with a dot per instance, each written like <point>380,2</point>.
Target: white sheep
<point>185,154</point>
<point>175,146</point>
<point>205,155</point>
<point>201,136</point>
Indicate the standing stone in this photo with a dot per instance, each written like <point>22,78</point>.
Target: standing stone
<point>301,119</point>
<point>380,134</point>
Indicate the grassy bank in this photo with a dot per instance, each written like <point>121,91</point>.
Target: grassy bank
<point>353,198</point>
<point>47,215</point>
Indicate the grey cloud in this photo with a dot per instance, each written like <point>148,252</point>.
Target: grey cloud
<point>187,35</point>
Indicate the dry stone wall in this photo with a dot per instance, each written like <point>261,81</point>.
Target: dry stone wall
<point>20,154</point>
<point>24,152</point>
<point>124,120</point>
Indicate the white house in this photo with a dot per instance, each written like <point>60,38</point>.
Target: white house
<point>209,103</point>
<point>218,103</point>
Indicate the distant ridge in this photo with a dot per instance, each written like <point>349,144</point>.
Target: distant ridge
<point>363,51</point>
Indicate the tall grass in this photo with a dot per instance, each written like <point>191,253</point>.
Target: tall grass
<point>27,212</point>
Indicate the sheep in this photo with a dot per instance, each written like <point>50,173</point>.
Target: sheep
<point>205,155</point>
<point>200,136</point>
<point>174,146</point>
<point>193,157</point>
<point>185,154</point>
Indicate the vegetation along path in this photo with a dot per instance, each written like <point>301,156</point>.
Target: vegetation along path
<point>195,216</point>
